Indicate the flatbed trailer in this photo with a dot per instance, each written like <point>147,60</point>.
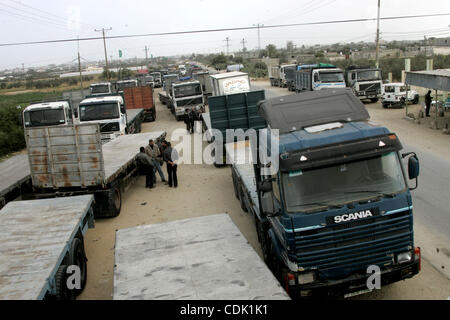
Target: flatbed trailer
<point>15,178</point>
<point>198,258</point>
<point>39,239</point>
<point>70,160</point>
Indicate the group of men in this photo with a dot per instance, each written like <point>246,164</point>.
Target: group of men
<point>151,159</point>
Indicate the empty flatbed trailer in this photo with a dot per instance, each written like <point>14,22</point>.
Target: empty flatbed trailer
<point>39,239</point>
<point>14,178</point>
<point>203,258</point>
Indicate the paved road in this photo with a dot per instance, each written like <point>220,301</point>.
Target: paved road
<point>431,201</point>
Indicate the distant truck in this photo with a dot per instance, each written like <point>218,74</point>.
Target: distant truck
<point>274,76</point>
<point>165,94</point>
<point>182,70</point>
<point>148,81</point>
<point>337,205</point>
<point>365,82</point>
<point>185,95</point>
<point>229,83</point>
<point>48,114</point>
<point>235,67</point>
<point>157,78</point>
<point>317,77</point>
<point>141,98</point>
<point>121,84</point>
<point>100,88</point>
<point>111,114</point>
<point>283,69</point>
<point>209,259</point>
<point>394,95</point>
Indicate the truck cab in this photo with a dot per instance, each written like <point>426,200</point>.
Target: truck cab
<point>338,205</point>
<point>394,94</point>
<point>365,82</point>
<point>108,111</point>
<point>318,77</point>
<point>283,69</point>
<point>100,88</point>
<point>157,78</point>
<point>47,114</point>
<point>186,95</point>
<point>126,84</point>
<point>182,70</point>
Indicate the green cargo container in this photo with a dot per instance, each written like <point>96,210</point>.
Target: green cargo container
<point>236,111</point>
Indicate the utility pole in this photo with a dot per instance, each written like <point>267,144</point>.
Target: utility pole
<point>243,41</point>
<point>79,67</point>
<point>146,54</point>
<point>227,40</point>
<point>104,45</point>
<point>377,53</point>
<point>259,36</point>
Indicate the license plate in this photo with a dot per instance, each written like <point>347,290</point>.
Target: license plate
<point>357,293</point>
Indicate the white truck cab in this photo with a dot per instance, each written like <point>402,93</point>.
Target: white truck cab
<point>394,94</point>
<point>47,114</point>
<point>108,111</point>
<point>100,88</point>
<point>327,78</point>
<point>126,84</point>
<point>186,95</point>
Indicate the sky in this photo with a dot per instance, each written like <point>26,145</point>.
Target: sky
<point>35,20</point>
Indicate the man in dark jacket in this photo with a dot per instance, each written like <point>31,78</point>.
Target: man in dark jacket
<point>146,166</point>
<point>428,103</point>
<point>171,157</point>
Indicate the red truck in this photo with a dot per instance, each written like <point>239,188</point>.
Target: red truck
<point>141,97</point>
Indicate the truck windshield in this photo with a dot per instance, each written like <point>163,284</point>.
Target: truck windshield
<point>186,91</point>
<point>331,77</point>
<point>47,117</point>
<point>389,89</point>
<point>369,75</point>
<point>188,102</point>
<point>102,111</point>
<point>104,88</point>
<point>343,183</point>
<point>123,85</point>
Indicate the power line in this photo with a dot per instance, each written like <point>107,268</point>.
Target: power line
<point>226,29</point>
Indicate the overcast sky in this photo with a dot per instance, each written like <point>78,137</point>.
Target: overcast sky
<point>34,20</point>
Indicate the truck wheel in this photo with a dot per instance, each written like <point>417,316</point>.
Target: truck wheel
<point>154,113</point>
<point>262,240</point>
<point>77,256</point>
<point>241,200</point>
<point>374,100</point>
<point>416,99</point>
<point>385,105</point>
<point>62,292</point>
<point>114,201</point>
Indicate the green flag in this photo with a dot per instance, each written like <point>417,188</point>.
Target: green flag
<point>120,53</point>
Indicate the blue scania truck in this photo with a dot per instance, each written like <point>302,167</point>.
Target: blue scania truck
<point>337,204</point>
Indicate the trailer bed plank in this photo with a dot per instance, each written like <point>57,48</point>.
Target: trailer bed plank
<point>34,237</point>
<point>199,258</point>
<point>13,172</point>
<point>119,152</point>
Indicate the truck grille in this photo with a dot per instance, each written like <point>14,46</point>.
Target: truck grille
<point>355,245</point>
<point>109,127</point>
<point>370,87</point>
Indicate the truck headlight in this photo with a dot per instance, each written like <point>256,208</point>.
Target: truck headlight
<point>404,257</point>
<point>307,277</point>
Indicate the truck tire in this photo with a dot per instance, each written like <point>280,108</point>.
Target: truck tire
<point>153,113</point>
<point>77,256</point>
<point>113,201</point>
<point>262,237</point>
<point>416,99</point>
<point>385,105</point>
<point>61,290</point>
<point>374,100</point>
<point>241,200</point>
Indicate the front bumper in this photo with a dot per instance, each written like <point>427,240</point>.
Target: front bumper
<point>355,282</point>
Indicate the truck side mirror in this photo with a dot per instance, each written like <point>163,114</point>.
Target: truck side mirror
<point>413,167</point>
<point>316,77</point>
<point>122,108</point>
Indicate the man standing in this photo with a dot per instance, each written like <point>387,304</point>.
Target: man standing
<point>171,157</point>
<point>191,115</point>
<point>154,153</point>
<point>146,166</point>
<point>428,103</point>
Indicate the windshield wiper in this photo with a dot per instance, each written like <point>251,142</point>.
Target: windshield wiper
<point>388,195</point>
<point>323,204</point>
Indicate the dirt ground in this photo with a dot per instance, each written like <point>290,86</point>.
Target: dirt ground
<point>205,190</point>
